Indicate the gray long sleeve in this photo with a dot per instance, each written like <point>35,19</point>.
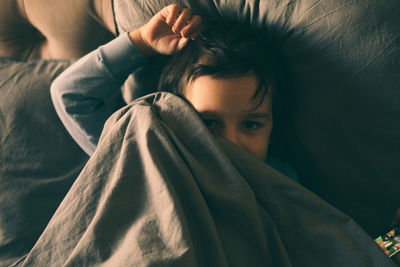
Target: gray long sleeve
<point>79,93</point>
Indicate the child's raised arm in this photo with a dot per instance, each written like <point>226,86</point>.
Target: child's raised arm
<point>79,93</point>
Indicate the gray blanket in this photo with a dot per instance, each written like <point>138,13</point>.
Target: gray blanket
<point>160,190</point>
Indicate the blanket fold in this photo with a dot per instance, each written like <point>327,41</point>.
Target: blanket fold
<point>161,190</point>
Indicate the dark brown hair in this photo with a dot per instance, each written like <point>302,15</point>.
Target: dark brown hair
<point>229,48</point>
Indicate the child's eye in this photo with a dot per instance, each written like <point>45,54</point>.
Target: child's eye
<point>251,125</point>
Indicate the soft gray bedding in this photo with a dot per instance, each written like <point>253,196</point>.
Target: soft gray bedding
<point>343,140</point>
<point>38,159</point>
<point>160,190</point>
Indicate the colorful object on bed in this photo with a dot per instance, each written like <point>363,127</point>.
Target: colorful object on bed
<point>390,241</point>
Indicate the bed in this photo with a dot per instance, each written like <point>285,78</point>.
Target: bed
<point>60,208</point>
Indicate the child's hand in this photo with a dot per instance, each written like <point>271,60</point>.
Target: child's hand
<point>167,32</point>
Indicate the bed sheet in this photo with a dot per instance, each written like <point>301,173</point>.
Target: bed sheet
<point>161,190</point>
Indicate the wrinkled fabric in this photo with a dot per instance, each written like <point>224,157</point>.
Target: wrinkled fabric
<point>160,190</point>
<point>39,161</point>
<point>343,135</point>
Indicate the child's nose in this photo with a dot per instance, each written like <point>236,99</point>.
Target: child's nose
<point>233,135</point>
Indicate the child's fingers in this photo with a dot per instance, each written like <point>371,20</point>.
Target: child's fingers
<point>182,43</point>
<point>182,20</point>
<point>171,13</point>
<point>195,34</point>
<point>193,27</point>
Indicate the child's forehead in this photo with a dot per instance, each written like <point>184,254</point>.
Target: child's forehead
<point>227,94</point>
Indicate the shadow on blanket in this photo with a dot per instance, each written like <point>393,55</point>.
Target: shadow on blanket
<point>160,190</point>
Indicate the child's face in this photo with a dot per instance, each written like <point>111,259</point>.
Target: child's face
<point>227,108</point>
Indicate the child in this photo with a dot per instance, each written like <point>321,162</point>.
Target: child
<point>229,73</point>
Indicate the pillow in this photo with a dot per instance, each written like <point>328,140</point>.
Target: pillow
<point>344,131</point>
<point>53,28</point>
<point>38,159</point>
